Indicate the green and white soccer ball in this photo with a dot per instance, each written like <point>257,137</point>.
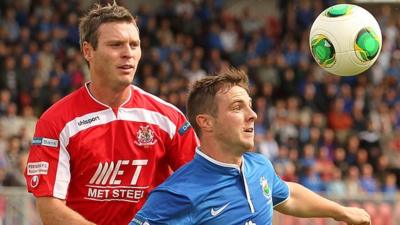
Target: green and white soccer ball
<point>345,40</point>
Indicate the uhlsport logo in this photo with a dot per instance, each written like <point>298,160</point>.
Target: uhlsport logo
<point>88,121</point>
<point>265,188</point>
<point>145,136</point>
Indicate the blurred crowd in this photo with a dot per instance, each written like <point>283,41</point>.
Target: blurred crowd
<point>338,135</point>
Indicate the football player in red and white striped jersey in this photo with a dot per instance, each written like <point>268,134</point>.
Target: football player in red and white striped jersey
<point>98,152</point>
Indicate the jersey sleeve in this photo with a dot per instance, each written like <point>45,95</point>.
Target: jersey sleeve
<point>47,171</point>
<point>280,190</point>
<point>183,144</point>
<point>164,207</point>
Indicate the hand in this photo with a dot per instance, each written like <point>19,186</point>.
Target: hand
<point>355,216</point>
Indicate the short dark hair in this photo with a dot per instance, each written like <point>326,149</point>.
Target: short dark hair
<point>90,23</point>
<point>201,99</point>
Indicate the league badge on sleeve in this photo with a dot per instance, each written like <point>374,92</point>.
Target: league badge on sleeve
<point>265,188</point>
<point>184,128</point>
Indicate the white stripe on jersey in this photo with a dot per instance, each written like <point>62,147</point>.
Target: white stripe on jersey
<point>148,116</point>
<point>81,123</point>
<point>63,176</point>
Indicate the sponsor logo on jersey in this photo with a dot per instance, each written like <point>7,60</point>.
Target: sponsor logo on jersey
<point>136,221</point>
<point>216,212</point>
<point>37,168</point>
<point>265,188</point>
<point>145,136</point>
<point>88,121</point>
<point>106,183</point>
<point>184,128</point>
<point>250,223</point>
<point>34,181</point>
<point>45,142</point>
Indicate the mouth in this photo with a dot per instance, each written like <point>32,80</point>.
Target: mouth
<point>126,67</point>
<point>249,130</point>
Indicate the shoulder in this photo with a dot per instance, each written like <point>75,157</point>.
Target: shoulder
<point>65,108</point>
<point>187,181</point>
<point>67,103</point>
<point>154,103</point>
<point>257,159</point>
<point>181,179</point>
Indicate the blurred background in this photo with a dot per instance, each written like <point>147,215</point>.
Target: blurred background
<point>338,136</point>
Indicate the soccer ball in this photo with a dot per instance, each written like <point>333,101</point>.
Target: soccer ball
<point>345,40</point>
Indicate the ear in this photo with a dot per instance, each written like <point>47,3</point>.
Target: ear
<point>205,122</point>
<point>87,50</point>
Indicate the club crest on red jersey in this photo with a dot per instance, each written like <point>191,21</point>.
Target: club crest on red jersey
<point>145,136</point>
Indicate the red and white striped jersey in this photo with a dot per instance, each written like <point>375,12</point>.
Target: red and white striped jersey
<point>104,161</point>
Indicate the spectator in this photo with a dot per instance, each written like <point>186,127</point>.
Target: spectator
<point>11,121</point>
<point>352,181</point>
<point>336,187</point>
<point>311,180</point>
<point>9,79</point>
<point>340,121</point>
<point>5,100</point>
<point>367,181</point>
<point>268,146</point>
<point>339,159</point>
<point>389,187</point>
<point>324,165</point>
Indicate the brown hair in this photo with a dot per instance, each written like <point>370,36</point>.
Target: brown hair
<point>201,99</point>
<point>90,23</point>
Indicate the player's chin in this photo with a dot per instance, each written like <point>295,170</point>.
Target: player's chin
<point>126,80</point>
<point>248,145</point>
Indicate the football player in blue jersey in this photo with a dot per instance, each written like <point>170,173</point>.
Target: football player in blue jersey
<point>226,183</point>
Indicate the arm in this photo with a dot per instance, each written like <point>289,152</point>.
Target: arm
<point>305,203</point>
<point>183,145</point>
<point>53,211</point>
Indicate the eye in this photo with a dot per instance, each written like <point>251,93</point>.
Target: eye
<point>236,107</point>
<point>115,44</point>
<point>134,44</point>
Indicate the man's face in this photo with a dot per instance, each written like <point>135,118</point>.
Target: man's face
<point>234,123</point>
<point>115,60</point>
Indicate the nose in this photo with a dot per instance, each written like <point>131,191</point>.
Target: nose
<point>252,115</point>
<point>128,51</point>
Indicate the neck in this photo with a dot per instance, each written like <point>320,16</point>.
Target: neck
<point>221,154</point>
<point>109,96</point>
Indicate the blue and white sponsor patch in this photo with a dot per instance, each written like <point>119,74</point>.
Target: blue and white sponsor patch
<point>137,221</point>
<point>184,128</point>
<point>45,142</point>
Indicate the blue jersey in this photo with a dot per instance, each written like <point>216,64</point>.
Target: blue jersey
<point>209,192</point>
